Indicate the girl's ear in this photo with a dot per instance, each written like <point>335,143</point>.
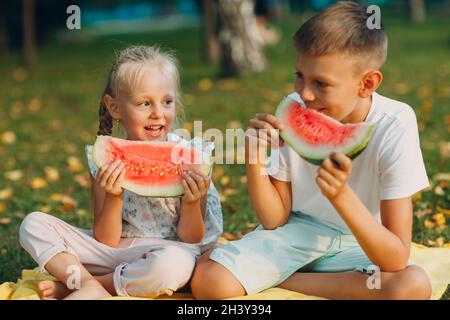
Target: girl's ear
<point>369,83</point>
<point>112,106</point>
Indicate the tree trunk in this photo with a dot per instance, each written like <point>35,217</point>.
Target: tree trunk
<point>3,33</point>
<point>417,10</point>
<point>239,37</point>
<point>29,37</point>
<point>211,42</point>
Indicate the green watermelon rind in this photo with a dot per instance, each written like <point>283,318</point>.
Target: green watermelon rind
<point>291,140</point>
<point>145,191</point>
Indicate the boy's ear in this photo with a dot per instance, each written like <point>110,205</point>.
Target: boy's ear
<point>112,107</point>
<point>369,83</point>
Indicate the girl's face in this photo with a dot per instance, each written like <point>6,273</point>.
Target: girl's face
<point>147,110</point>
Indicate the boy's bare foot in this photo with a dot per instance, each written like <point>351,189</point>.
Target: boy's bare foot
<point>90,290</point>
<point>53,290</point>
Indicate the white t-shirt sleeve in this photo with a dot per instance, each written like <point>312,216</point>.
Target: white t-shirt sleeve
<point>402,171</point>
<point>279,164</point>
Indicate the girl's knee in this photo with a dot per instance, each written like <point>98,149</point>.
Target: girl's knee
<point>31,223</point>
<point>162,271</point>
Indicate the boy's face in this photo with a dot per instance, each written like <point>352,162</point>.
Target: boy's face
<point>329,84</point>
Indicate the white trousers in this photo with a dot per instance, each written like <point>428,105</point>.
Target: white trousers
<point>143,267</point>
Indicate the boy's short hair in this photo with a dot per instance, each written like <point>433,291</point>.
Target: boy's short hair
<point>342,28</point>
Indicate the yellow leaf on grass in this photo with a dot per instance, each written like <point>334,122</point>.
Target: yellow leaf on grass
<point>225,180</point>
<point>82,179</point>
<point>205,84</point>
<point>8,137</point>
<point>2,207</point>
<point>429,224</point>
<point>74,164</point>
<point>439,218</point>
<point>5,220</point>
<point>51,173</point>
<point>34,105</point>
<point>38,183</point>
<point>6,194</point>
<point>14,175</point>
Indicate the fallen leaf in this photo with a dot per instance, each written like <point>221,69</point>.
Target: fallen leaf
<point>2,207</point>
<point>225,180</point>
<point>5,220</point>
<point>439,219</point>
<point>429,224</point>
<point>74,164</point>
<point>205,84</point>
<point>38,183</point>
<point>14,175</point>
<point>6,194</point>
<point>81,212</point>
<point>20,74</point>
<point>8,137</point>
<point>83,179</point>
<point>51,173</point>
<point>34,105</point>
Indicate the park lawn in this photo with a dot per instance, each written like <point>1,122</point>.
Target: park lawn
<point>48,117</point>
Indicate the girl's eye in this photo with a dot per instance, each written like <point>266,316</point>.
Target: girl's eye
<point>168,102</point>
<point>144,104</point>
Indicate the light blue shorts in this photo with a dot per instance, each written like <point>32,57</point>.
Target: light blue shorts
<point>264,258</point>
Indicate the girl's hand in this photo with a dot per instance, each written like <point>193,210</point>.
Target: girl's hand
<point>110,176</point>
<point>195,186</point>
<point>332,177</point>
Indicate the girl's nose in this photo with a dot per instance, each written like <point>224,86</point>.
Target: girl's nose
<point>156,111</point>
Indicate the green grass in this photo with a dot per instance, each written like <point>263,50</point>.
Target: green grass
<point>69,78</point>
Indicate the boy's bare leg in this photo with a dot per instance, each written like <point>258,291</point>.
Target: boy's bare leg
<point>410,283</point>
<point>64,266</point>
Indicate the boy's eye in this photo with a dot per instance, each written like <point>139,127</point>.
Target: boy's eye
<point>321,84</point>
<point>299,75</point>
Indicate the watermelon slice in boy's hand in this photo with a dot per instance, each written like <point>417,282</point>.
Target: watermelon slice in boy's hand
<point>314,135</point>
<point>153,168</point>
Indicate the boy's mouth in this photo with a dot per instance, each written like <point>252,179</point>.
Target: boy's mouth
<point>154,130</point>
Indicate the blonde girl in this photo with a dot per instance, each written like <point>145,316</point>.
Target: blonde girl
<point>138,246</point>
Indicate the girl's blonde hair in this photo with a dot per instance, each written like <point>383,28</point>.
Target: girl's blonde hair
<point>127,70</point>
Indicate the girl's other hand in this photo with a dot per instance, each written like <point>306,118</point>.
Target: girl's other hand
<point>195,186</point>
<point>110,176</point>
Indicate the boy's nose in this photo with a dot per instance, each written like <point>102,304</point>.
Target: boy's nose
<point>307,94</point>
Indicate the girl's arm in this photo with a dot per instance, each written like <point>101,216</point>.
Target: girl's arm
<point>387,245</point>
<point>191,226</point>
<point>271,198</point>
<point>107,201</point>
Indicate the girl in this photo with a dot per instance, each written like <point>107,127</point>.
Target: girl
<point>138,246</point>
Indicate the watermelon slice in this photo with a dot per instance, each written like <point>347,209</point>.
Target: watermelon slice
<point>153,168</point>
<point>314,135</point>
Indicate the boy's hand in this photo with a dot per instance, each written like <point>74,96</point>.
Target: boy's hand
<point>263,126</point>
<point>195,186</point>
<point>332,177</point>
<point>110,176</point>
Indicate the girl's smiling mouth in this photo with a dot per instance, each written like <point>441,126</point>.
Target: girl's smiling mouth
<point>154,130</point>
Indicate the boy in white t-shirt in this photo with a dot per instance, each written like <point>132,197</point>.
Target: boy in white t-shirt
<point>339,232</point>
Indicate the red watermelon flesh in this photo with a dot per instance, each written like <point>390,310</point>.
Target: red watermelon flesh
<point>314,135</point>
<point>152,168</point>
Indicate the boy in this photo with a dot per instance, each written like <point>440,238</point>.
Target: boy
<point>324,229</point>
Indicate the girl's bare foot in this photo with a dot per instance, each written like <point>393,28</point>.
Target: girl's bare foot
<point>53,290</point>
<point>90,290</point>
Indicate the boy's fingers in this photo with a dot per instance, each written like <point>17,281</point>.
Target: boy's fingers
<point>323,185</point>
<point>328,177</point>
<point>270,118</point>
<point>344,162</point>
<point>329,166</point>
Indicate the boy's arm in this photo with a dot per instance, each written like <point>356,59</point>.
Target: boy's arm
<point>271,198</point>
<point>387,245</point>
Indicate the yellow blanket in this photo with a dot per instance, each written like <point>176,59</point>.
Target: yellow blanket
<point>435,261</point>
